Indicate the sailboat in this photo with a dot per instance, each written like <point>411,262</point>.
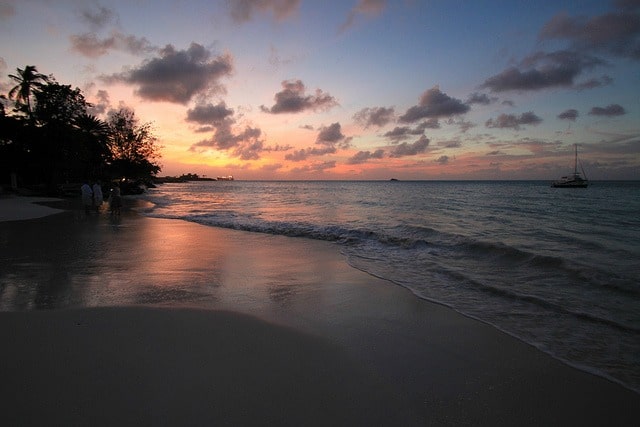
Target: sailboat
<point>574,180</point>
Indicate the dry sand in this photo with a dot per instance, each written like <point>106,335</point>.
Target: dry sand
<point>13,208</point>
<point>254,329</point>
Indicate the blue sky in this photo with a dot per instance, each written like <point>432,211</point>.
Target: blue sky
<point>363,89</point>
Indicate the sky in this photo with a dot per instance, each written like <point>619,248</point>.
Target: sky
<point>352,89</point>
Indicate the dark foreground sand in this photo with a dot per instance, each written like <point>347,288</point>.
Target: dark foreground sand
<point>145,366</point>
<point>203,326</point>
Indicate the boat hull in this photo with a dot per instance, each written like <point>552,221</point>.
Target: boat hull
<point>570,184</point>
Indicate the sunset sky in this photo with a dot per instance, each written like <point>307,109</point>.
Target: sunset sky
<point>352,89</point>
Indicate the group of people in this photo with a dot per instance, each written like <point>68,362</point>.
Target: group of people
<point>92,198</point>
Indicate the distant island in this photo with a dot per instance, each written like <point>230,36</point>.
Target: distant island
<point>188,177</point>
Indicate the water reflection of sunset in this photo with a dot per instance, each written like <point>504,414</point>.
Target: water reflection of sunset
<point>193,265</point>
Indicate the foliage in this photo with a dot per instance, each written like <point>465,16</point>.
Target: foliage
<point>28,80</point>
<point>58,104</point>
<point>132,145</point>
<point>49,138</point>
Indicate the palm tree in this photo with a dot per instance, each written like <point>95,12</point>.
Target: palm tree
<point>28,80</point>
<point>92,125</point>
<point>94,136</point>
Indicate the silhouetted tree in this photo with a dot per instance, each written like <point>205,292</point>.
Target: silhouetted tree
<point>49,138</point>
<point>133,146</point>
<point>60,151</point>
<point>29,80</point>
<point>94,135</point>
<point>9,151</point>
<point>15,136</point>
<point>58,104</point>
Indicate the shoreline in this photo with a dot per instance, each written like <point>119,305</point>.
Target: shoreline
<point>448,368</point>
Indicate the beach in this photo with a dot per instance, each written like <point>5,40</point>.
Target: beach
<point>147,321</point>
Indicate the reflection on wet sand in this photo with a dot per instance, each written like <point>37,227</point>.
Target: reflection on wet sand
<point>97,260</point>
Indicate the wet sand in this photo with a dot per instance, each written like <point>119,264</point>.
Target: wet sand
<point>152,321</point>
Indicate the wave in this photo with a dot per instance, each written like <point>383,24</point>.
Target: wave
<point>485,290</point>
<point>554,286</point>
<point>417,238</point>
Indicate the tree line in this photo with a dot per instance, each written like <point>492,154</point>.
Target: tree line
<point>48,138</point>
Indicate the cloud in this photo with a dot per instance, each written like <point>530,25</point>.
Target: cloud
<point>542,70</point>
<point>330,135</point>
<point>406,149</point>
<point>271,167</point>
<point>608,111</point>
<point>297,155</point>
<point>305,153</point>
<point>177,75</point>
<point>250,150</point>
<point>376,116</point>
<point>278,147</point>
<point>594,83</point>
<point>615,33</point>
<point>512,121</point>
<point>480,98</point>
<point>403,132</point>
<point>292,99</point>
<point>364,156</point>
<point>316,167</point>
<point>103,104</point>
<point>98,18</point>
<point>328,138</point>
<point>463,125</point>
<point>443,160</point>
<point>244,10</point>
<point>570,114</point>
<point>91,46</point>
<point>209,113</point>
<point>364,7</point>
<point>225,138</point>
<point>450,144</point>
<point>245,144</point>
<point>5,86</point>
<point>433,104</point>
<point>432,123</point>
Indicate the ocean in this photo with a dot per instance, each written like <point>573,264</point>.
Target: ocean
<point>556,268</point>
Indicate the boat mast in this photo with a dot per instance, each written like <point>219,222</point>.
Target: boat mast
<point>575,165</point>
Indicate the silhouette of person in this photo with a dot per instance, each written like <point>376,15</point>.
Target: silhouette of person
<point>87,197</point>
<point>97,196</point>
<point>115,201</point>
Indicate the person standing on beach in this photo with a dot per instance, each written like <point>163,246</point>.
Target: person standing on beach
<point>115,201</point>
<point>87,197</point>
<point>97,196</point>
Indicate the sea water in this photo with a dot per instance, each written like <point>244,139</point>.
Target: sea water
<point>556,268</point>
